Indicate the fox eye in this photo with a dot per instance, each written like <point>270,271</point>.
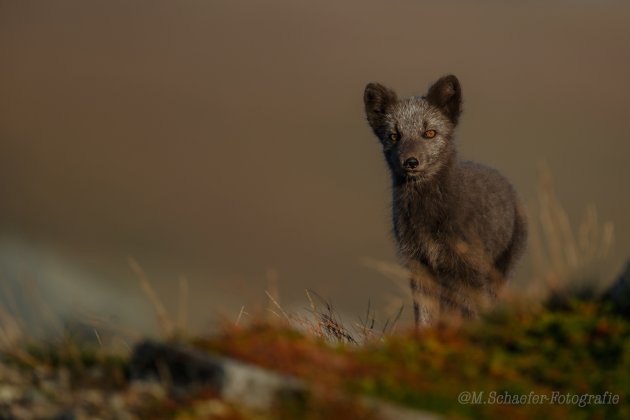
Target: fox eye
<point>429,134</point>
<point>394,137</point>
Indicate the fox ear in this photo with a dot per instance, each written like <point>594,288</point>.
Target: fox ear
<point>378,99</point>
<point>446,94</point>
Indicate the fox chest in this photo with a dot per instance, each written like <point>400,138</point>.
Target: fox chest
<point>419,241</point>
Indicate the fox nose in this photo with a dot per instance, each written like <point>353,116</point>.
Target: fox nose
<point>411,163</point>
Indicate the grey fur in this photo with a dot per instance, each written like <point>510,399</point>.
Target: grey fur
<point>459,226</point>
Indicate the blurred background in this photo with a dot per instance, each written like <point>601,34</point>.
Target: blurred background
<point>224,142</point>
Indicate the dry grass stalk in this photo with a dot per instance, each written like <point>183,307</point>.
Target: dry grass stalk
<point>166,325</point>
<point>182,317</point>
<point>561,253</point>
<point>275,302</point>
<point>240,315</point>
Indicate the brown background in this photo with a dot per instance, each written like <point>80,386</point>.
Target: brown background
<point>218,139</point>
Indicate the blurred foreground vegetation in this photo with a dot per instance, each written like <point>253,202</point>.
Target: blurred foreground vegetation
<point>575,347</point>
<point>580,348</point>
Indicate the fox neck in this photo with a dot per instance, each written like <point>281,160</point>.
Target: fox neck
<point>424,204</point>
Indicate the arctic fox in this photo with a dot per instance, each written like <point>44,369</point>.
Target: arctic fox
<point>459,226</point>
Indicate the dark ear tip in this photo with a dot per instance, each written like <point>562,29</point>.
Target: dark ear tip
<point>370,92</point>
<point>377,92</point>
<point>452,80</point>
<point>445,86</point>
<point>372,87</point>
<point>446,93</point>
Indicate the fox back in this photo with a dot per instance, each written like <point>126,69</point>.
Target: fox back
<point>458,225</point>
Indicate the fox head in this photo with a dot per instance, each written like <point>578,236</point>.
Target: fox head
<point>416,132</point>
